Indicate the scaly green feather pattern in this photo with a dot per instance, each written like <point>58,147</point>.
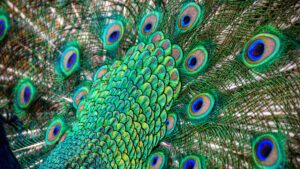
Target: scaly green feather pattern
<point>123,117</point>
<point>174,84</point>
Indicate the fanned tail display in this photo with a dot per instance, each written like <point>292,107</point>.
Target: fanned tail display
<point>150,84</point>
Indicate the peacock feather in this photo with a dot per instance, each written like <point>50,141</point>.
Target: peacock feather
<point>150,84</point>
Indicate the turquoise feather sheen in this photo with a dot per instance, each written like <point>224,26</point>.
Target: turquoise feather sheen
<point>80,93</point>
<point>128,102</point>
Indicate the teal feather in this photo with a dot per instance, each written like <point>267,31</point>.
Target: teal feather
<point>150,84</point>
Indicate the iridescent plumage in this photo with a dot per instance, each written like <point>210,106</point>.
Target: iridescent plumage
<point>150,84</point>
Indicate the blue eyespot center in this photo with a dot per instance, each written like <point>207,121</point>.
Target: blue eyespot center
<point>26,94</point>
<point>189,164</point>
<point>71,60</point>
<point>197,105</point>
<point>148,27</point>
<point>114,36</point>
<point>264,149</point>
<point>154,161</point>
<point>185,21</point>
<point>2,27</point>
<point>256,50</point>
<point>82,97</point>
<point>167,122</point>
<point>56,130</point>
<point>192,62</point>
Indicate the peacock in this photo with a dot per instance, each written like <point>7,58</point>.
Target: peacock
<point>153,84</point>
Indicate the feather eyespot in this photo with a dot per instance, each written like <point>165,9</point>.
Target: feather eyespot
<point>69,61</point>
<point>190,15</point>
<point>157,160</point>
<point>196,60</point>
<point>55,131</point>
<point>113,34</point>
<point>191,162</point>
<point>149,23</point>
<point>171,123</point>
<point>261,49</point>
<point>267,151</point>
<point>185,20</point>
<point>200,106</point>
<point>25,93</point>
<point>3,26</point>
<point>148,27</point>
<point>264,149</point>
<point>81,93</point>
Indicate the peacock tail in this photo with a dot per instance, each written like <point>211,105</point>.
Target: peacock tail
<point>150,84</point>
